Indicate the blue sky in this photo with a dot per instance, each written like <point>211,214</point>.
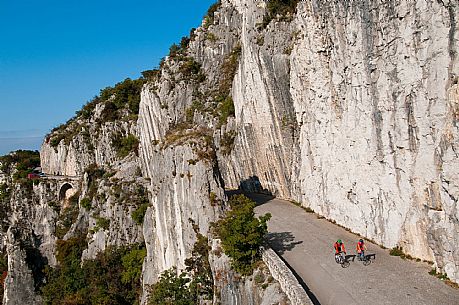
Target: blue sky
<point>56,55</point>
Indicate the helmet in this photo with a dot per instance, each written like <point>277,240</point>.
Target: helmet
<point>338,241</point>
<point>361,240</point>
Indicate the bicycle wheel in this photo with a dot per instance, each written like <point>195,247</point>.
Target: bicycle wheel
<point>345,264</point>
<point>366,261</point>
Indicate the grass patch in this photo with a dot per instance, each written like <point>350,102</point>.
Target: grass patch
<point>396,251</point>
<point>443,277</point>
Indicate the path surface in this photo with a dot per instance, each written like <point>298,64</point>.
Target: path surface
<point>306,244</point>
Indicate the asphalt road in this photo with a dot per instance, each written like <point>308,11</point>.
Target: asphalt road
<point>306,244</point>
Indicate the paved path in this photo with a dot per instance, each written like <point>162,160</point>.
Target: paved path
<point>306,244</point>
<point>58,177</point>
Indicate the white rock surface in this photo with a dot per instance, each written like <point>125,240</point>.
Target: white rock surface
<point>360,121</point>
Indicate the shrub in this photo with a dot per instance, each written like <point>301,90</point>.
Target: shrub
<point>132,262</point>
<point>190,286</point>
<point>229,69</point>
<point>225,109</point>
<point>199,269</point>
<point>86,203</point>
<point>124,145</point>
<point>102,222</point>
<point>68,217</point>
<point>227,142</point>
<point>397,251</point>
<point>23,162</point>
<point>282,9</point>
<point>94,173</point>
<point>171,289</point>
<point>191,70</point>
<point>139,214</point>
<point>103,280</point>
<point>125,94</point>
<point>210,18</point>
<point>151,75</point>
<point>196,105</point>
<point>242,233</point>
<point>211,37</point>
<point>5,192</point>
<point>213,199</point>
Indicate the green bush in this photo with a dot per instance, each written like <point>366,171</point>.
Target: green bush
<point>242,233</point>
<point>229,69</point>
<point>191,70</point>
<point>172,289</point>
<point>132,263</point>
<point>102,280</point>
<point>225,109</point>
<point>102,223</point>
<point>125,94</point>
<point>86,203</point>
<point>21,161</point>
<point>189,287</point>
<point>94,173</point>
<point>3,271</point>
<point>124,145</point>
<point>397,251</point>
<point>210,18</point>
<point>139,213</point>
<point>285,9</point>
<point>5,192</point>
<point>151,75</point>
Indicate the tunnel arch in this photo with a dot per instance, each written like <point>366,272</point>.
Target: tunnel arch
<point>63,190</point>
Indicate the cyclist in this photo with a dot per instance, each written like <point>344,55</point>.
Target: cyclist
<point>361,249</point>
<point>339,247</point>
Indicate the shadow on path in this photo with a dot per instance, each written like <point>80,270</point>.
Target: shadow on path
<point>282,241</point>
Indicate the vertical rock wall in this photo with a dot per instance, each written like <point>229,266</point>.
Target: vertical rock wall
<point>373,141</point>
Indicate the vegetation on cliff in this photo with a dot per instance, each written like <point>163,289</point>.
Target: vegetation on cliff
<point>190,286</point>
<point>242,233</point>
<point>113,277</point>
<point>120,102</point>
<point>282,10</point>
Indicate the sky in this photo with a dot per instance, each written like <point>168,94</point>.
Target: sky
<point>56,55</point>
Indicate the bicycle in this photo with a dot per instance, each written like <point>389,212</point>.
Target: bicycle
<point>340,258</point>
<point>366,259</point>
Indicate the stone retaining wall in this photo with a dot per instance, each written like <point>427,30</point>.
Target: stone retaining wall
<point>289,283</point>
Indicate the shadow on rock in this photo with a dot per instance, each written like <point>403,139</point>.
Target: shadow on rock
<point>282,242</point>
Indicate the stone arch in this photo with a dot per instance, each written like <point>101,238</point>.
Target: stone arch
<point>64,190</point>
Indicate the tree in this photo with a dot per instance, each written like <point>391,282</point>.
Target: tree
<point>242,233</point>
<point>172,289</point>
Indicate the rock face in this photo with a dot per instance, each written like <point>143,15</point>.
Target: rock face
<point>349,107</point>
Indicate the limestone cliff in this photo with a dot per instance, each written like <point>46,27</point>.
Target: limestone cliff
<point>349,107</point>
